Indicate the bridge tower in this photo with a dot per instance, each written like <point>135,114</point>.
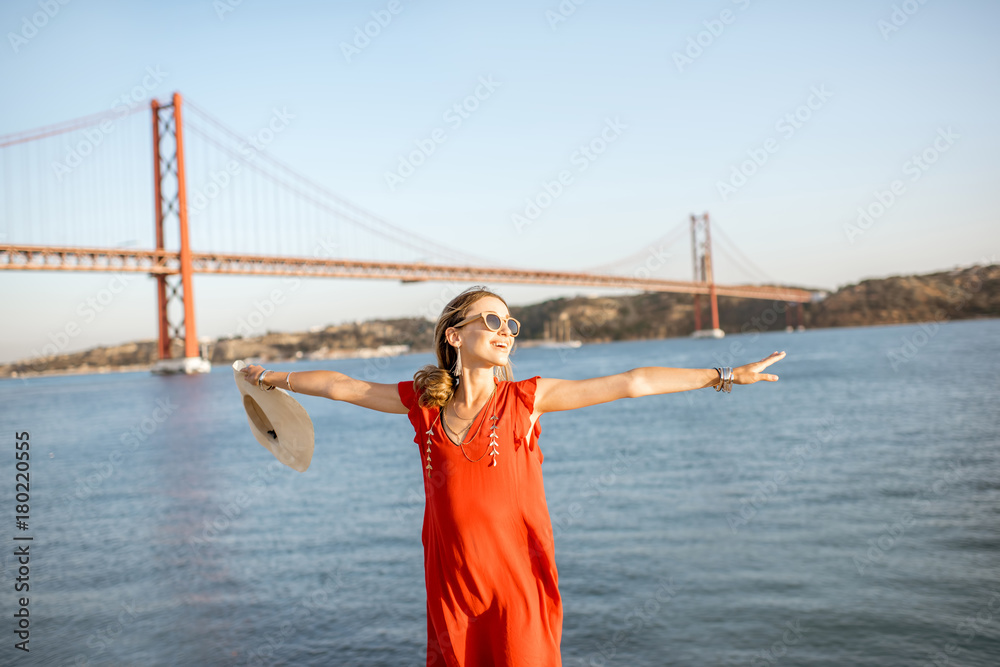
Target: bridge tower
<point>701,257</point>
<point>171,200</point>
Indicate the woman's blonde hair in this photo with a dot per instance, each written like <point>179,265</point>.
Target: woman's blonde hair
<point>437,382</point>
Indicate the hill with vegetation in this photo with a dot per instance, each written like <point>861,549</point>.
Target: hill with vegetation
<point>972,292</point>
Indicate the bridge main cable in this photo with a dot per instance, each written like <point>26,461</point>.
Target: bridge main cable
<point>66,126</point>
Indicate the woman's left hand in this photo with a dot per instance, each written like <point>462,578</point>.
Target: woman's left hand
<point>752,372</point>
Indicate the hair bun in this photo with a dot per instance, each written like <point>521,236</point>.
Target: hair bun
<point>437,385</point>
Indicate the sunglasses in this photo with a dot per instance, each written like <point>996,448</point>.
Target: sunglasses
<point>493,322</point>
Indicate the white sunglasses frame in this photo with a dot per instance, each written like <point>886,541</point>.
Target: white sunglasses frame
<point>503,320</point>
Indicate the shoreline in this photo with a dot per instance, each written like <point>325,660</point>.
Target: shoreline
<point>365,353</point>
<point>80,370</point>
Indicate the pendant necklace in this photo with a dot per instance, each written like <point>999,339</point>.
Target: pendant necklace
<point>491,450</point>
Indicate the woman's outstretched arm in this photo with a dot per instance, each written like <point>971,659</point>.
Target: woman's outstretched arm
<point>333,385</point>
<point>552,395</point>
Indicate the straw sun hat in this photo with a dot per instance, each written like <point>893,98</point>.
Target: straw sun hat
<point>278,422</point>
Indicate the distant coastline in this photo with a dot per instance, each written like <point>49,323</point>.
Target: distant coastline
<point>967,293</point>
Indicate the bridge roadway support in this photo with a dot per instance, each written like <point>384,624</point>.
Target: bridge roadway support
<point>797,307</point>
<point>701,259</point>
<point>167,121</point>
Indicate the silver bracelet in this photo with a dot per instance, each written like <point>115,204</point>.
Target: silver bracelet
<point>725,379</point>
<point>260,381</point>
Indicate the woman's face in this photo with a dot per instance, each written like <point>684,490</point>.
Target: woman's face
<point>479,345</point>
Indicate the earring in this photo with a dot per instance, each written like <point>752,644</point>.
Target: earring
<point>457,372</point>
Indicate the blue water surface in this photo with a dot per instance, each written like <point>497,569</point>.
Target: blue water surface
<point>847,515</point>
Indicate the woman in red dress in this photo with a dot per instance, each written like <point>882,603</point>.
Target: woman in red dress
<point>489,567</point>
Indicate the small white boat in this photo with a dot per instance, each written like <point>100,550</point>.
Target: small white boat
<point>708,333</point>
<point>186,365</point>
<point>559,344</point>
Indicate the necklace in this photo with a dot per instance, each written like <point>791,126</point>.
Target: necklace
<point>491,449</point>
<point>461,441</point>
<point>473,418</point>
<point>458,434</point>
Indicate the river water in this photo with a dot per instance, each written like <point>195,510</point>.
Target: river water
<point>847,515</point>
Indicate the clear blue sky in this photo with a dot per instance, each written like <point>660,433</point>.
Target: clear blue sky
<point>884,95</point>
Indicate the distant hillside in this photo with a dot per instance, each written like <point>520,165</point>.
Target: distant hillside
<point>333,341</point>
<point>962,294</point>
<point>972,292</point>
<point>955,295</point>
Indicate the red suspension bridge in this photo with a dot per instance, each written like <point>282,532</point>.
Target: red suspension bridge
<point>88,171</point>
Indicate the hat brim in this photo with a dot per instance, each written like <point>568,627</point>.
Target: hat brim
<point>277,421</point>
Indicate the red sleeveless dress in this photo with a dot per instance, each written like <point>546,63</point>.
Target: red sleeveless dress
<point>489,566</point>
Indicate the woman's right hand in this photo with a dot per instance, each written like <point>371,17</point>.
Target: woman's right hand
<point>251,373</point>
